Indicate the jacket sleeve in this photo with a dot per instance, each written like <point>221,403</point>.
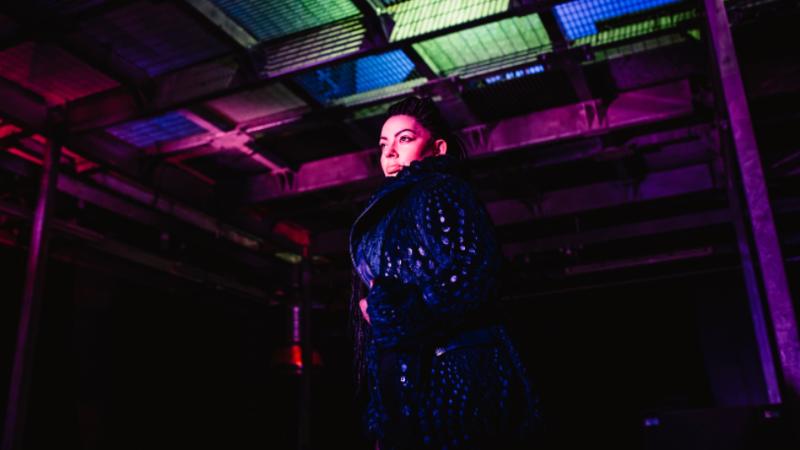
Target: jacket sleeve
<point>455,258</point>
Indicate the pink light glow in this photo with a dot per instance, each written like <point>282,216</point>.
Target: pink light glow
<point>8,130</point>
<point>23,155</point>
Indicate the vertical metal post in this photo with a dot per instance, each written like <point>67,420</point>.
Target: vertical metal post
<point>304,419</point>
<point>756,201</point>
<point>22,368</point>
<point>750,274</point>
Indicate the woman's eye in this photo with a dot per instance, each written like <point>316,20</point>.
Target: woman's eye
<point>405,138</point>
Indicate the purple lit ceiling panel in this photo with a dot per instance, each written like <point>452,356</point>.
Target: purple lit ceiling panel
<point>272,100</point>
<point>67,6</point>
<point>51,72</point>
<point>157,37</point>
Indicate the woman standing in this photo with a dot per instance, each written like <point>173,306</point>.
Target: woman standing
<point>440,369</point>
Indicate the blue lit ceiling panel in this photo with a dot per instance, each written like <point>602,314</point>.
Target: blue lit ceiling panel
<point>578,18</point>
<point>146,132</point>
<point>353,77</point>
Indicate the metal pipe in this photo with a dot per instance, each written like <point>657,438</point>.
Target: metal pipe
<point>21,372</point>
<point>304,419</point>
<point>766,249</point>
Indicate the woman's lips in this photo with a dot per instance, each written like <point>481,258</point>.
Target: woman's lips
<point>393,170</point>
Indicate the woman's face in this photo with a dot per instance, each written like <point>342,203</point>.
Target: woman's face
<point>403,140</point>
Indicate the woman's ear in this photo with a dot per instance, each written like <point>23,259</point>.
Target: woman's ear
<point>439,147</point>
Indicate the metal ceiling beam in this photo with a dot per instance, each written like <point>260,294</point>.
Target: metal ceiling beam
<point>40,26</point>
<point>94,11</point>
<point>789,164</point>
<point>241,133</point>
<point>379,29</point>
<point>655,185</point>
<point>327,244</point>
<point>124,159</point>
<point>235,140</point>
<point>421,66</point>
<point>144,206</point>
<point>127,161</point>
<point>454,109</point>
<point>221,20</point>
<point>634,108</point>
<point>379,25</point>
<point>119,105</point>
<point>561,58</point>
<point>83,113</point>
<point>125,208</point>
<point>577,200</point>
<point>28,107</point>
<point>633,230</point>
<point>112,153</point>
<point>103,243</point>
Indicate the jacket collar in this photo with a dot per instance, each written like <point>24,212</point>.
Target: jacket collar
<point>416,171</point>
<point>408,176</point>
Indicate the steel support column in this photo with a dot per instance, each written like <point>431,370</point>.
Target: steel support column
<point>304,419</point>
<point>13,428</point>
<point>766,253</point>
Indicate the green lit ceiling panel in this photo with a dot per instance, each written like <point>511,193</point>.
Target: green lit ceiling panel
<point>375,95</point>
<point>506,39</point>
<point>315,47</point>
<point>644,45</point>
<point>415,17</point>
<point>638,29</point>
<point>271,19</point>
<point>373,110</point>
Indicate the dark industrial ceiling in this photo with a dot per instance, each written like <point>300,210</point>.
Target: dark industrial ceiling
<point>240,129</point>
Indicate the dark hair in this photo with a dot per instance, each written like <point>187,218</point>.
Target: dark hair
<point>428,115</point>
<point>359,330</point>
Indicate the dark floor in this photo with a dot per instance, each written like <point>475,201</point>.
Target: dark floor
<point>126,364</point>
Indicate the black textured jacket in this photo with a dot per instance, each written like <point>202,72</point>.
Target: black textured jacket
<point>442,371</point>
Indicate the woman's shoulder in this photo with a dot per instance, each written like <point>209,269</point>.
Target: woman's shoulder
<point>441,184</point>
<point>442,189</point>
